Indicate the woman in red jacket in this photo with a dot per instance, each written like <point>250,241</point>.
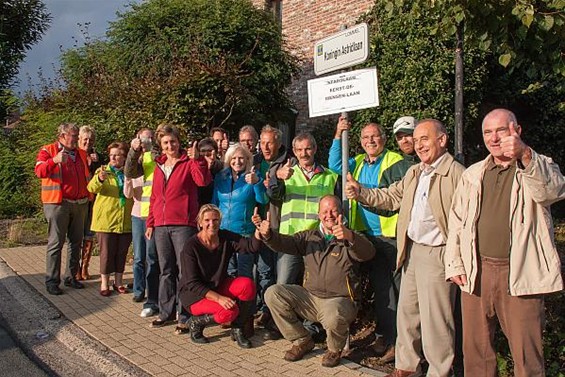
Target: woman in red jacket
<point>173,207</point>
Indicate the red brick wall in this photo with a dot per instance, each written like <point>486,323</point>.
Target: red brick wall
<point>303,23</point>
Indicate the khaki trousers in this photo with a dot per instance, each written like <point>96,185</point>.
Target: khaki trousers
<point>425,313</point>
<point>287,302</point>
<point>521,319</point>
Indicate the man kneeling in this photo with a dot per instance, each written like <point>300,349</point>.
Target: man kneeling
<point>331,290</point>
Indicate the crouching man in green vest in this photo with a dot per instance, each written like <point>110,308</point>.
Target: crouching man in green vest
<point>332,254</point>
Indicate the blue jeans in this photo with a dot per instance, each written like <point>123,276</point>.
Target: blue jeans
<point>241,265</point>
<point>145,265</point>
<point>290,269</point>
<point>265,275</point>
<point>170,241</point>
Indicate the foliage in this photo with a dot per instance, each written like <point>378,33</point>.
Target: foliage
<point>195,63</point>
<point>22,22</point>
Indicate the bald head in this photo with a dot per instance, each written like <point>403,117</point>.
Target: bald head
<point>430,140</point>
<point>500,116</point>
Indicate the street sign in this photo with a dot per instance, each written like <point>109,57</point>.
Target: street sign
<point>346,91</point>
<point>342,50</point>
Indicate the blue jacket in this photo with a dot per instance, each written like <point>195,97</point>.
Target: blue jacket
<point>237,201</point>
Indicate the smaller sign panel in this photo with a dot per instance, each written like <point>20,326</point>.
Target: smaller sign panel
<point>347,91</point>
<point>342,50</point>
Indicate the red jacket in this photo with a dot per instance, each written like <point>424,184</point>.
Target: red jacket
<point>175,202</point>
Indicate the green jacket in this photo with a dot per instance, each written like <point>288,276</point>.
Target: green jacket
<point>107,214</point>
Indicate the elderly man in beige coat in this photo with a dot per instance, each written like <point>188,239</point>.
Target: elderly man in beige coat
<point>500,248</point>
<point>425,308</point>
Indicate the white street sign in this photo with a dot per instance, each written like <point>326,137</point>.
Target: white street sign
<point>341,50</point>
<point>354,90</point>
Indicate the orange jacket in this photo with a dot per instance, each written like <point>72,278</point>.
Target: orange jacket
<point>51,192</point>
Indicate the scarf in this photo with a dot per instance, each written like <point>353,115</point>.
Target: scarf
<point>119,174</point>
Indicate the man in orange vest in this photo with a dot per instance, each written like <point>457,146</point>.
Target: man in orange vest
<point>64,175</point>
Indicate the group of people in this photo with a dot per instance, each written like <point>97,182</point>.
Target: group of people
<point>228,233</point>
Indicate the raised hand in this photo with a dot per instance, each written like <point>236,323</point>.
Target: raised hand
<point>265,227</point>
<point>192,151</point>
<point>256,218</point>
<point>340,231</point>
<point>251,177</point>
<point>512,145</point>
<point>136,144</point>
<point>267,179</point>
<point>352,187</point>
<point>285,171</point>
<point>102,174</point>
<point>343,124</point>
<point>61,157</point>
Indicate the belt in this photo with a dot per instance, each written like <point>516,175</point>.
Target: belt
<point>77,201</point>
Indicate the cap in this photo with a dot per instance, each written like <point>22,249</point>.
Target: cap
<point>404,124</point>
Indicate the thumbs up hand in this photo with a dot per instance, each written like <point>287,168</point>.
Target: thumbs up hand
<point>512,146</point>
<point>264,226</point>
<point>340,231</point>
<point>192,151</point>
<point>352,187</point>
<point>251,177</point>
<point>267,179</point>
<point>285,171</point>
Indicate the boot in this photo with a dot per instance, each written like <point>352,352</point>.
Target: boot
<point>246,309</point>
<point>196,324</point>
<point>86,254</point>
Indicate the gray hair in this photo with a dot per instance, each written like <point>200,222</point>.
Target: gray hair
<point>510,116</point>
<point>87,130</point>
<point>304,136</point>
<point>270,129</point>
<point>251,130</point>
<point>379,127</point>
<point>239,148</point>
<point>64,128</point>
<point>440,127</point>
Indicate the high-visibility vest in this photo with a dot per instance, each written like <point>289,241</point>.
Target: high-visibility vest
<point>149,165</point>
<point>51,192</point>
<point>388,223</point>
<point>299,210</point>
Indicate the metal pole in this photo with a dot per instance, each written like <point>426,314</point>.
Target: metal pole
<point>344,159</point>
<point>459,94</point>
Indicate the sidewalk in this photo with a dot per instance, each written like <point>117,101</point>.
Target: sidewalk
<point>114,322</point>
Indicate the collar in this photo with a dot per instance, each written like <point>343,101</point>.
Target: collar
<point>317,169</point>
<point>377,160</point>
<point>434,166</point>
<point>491,165</point>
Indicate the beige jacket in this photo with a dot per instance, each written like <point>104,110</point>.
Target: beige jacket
<point>400,195</point>
<point>535,267</point>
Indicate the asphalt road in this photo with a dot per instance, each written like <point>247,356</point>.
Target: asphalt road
<point>13,361</point>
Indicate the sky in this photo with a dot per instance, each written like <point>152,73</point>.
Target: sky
<point>66,15</point>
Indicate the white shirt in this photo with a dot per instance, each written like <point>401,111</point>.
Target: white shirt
<point>423,228</point>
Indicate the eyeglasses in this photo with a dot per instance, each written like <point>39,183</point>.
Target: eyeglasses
<point>369,137</point>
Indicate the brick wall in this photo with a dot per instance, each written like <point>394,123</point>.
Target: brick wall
<point>303,23</point>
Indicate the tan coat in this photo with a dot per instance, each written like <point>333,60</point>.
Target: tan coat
<point>400,195</point>
<point>535,267</point>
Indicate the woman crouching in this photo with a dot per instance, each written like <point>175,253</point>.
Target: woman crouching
<point>209,293</point>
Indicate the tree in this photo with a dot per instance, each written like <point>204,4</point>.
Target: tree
<point>196,63</point>
<point>22,23</point>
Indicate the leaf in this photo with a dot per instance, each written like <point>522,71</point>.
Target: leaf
<point>547,23</point>
<point>460,16</point>
<point>527,19</point>
<point>504,60</point>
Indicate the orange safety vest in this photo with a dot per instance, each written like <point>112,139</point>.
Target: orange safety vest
<point>51,192</point>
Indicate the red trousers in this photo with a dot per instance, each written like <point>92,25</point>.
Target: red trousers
<point>239,288</point>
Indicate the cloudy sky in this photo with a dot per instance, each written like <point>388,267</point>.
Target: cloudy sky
<point>65,33</point>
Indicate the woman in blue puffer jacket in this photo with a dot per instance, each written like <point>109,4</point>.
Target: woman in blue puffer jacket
<point>238,188</point>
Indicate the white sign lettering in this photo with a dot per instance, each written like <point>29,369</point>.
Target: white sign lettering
<point>341,50</point>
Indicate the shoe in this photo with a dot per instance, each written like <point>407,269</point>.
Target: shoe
<point>121,289</point>
<point>331,359</point>
<point>54,290</point>
<point>105,292</point>
<point>297,352</point>
<point>197,324</point>
<point>388,356</point>
<point>138,298</point>
<point>148,312</point>
<point>182,328</point>
<point>237,335</point>
<point>380,346</point>
<point>263,319</point>
<point>271,334</point>
<point>401,373</point>
<point>156,323</point>
<point>73,283</point>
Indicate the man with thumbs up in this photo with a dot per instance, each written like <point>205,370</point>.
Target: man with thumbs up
<point>500,249</point>
<point>331,289</point>
<point>425,307</point>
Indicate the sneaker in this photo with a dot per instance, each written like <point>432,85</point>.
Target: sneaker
<point>331,359</point>
<point>139,298</point>
<point>148,312</point>
<point>297,352</point>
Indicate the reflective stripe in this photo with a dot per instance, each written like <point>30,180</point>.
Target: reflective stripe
<point>56,175</point>
<point>40,162</point>
<point>299,215</point>
<point>294,196</point>
<point>50,188</point>
<point>145,199</point>
<point>147,183</point>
